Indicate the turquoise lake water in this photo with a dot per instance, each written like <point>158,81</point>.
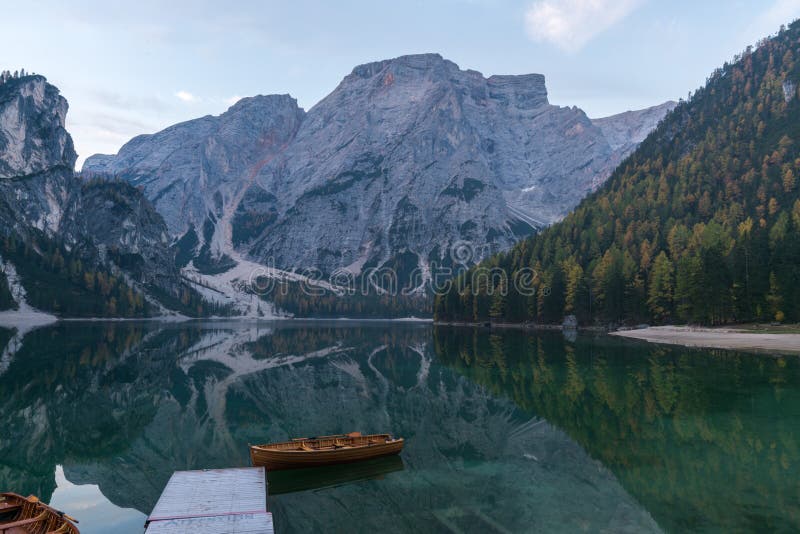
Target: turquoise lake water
<point>506,431</point>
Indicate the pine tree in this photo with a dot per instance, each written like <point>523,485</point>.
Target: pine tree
<point>775,299</point>
<point>661,289</point>
<point>499,299</point>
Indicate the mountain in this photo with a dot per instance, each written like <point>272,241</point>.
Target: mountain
<point>625,131</point>
<point>197,171</point>
<point>403,161</point>
<point>36,154</point>
<point>114,219</point>
<point>700,224</point>
<point>70,246</point>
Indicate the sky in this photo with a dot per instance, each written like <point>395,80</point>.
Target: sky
<point>129,68</point>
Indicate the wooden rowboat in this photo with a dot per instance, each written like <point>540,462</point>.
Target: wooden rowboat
<point>324,450</point>
<point>21,515</point>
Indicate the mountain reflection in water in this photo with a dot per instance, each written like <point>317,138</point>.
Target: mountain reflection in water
<point>505,432</point>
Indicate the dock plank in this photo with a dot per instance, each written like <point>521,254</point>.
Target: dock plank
<point>213,500</point>
<point>220,524</point>
<point>212,492</point>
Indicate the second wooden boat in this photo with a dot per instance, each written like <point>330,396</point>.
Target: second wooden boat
<point>28,515</point>
<point>324,450</point>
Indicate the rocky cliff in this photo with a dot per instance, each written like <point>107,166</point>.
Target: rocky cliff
<point>115,220</point>
<point>36,154</point>
<point>197,171</point>
<point>33,139</point>
<point>77,246</point>
<point>625,131</point>
<point>404,159</point>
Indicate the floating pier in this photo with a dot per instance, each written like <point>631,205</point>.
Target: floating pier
<point>215,501</point>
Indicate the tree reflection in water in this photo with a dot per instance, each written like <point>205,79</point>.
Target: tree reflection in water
<point>498,424</point>
<point>705,440</point>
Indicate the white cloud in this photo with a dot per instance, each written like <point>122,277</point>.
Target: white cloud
<point>186,96</point>
<point>570,24</point>
<point>232,100</point>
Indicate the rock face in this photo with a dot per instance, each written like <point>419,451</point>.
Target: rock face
<point>626,130</point>
<point>43,204</point>
<point>115,219</point>
<point>197,171</point>
<point>36,154</point>
<point>404,160</point>
<point>32,134</point>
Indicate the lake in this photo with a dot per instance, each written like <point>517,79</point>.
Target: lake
<point>506,431</point>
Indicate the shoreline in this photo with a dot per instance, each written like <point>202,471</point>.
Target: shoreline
<point>716,338</point>
<point>521,326</point>
<point>727,338</point>
<point>26,318</point>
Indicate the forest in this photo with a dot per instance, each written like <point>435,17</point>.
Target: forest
<point>62,282</point>
<point>296,299</point>
<point>701,224</point>
<point>71,284</point>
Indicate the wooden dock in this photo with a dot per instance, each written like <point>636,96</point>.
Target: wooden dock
<point>231,501</point>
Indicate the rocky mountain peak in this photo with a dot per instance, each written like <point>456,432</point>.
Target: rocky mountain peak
<point>195,170</point>
<point>261,103</point>
<point>261,114</point>
<point>415,62</point>
<point>524,91</point>
<point>404,158</point>
<point>433,68</point>
<point>33,138</point>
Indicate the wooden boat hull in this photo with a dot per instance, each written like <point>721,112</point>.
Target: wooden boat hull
<point>323,451</point>
<point>21,515</point>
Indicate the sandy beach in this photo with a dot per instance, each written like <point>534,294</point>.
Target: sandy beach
<point>717,338</point>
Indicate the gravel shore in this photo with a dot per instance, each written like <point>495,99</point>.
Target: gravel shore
<point>717,338</point>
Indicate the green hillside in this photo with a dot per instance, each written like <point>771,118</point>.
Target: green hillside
<point>701,224</point>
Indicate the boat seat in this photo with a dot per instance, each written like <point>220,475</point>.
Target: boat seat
<point>5,510</point>
<point>24,522</point>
